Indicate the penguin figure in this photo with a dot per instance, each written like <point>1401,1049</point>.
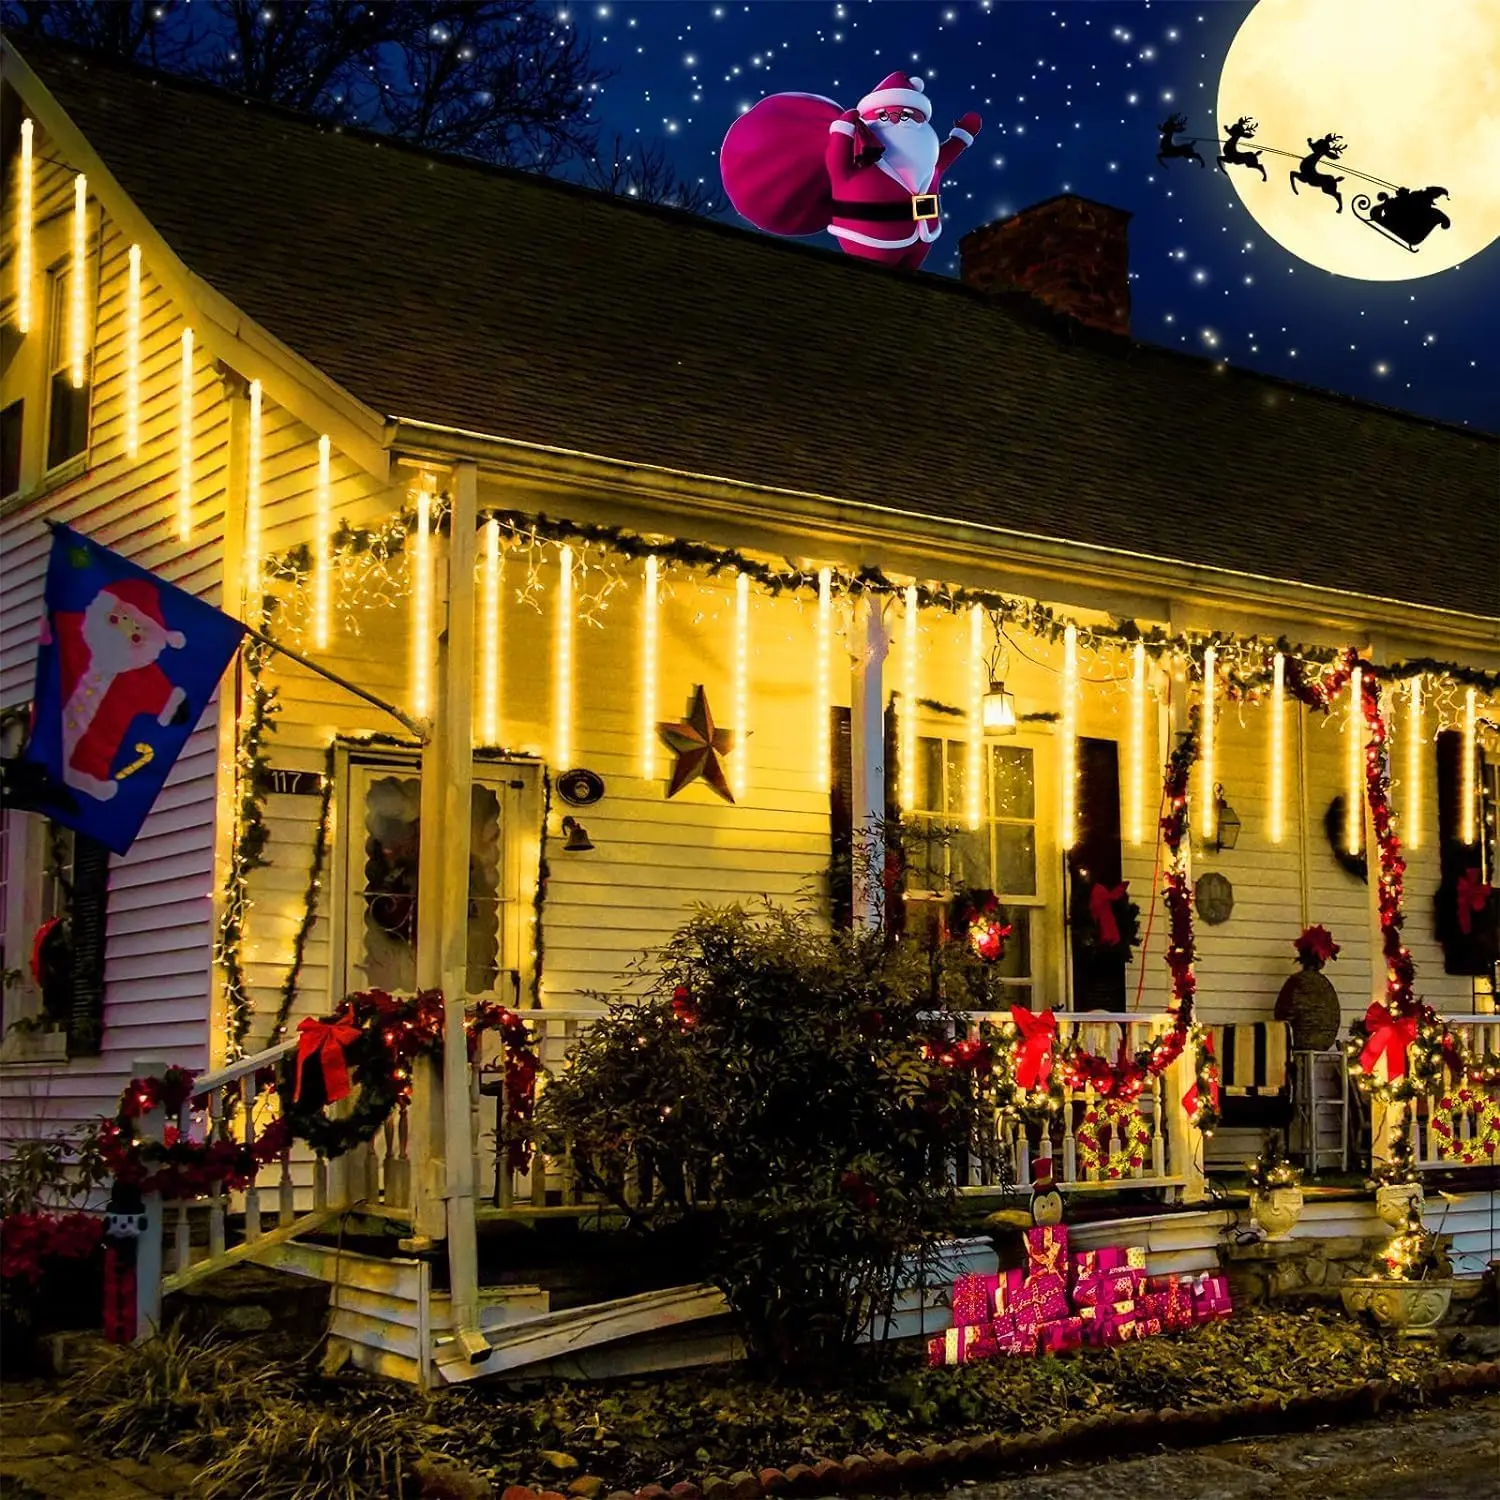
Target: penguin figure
<point>1046,1201</point>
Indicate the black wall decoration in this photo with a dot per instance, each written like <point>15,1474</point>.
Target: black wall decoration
<point>1466,907</point>
<point>1336,826</point>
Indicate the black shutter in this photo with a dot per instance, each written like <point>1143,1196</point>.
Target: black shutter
<point>841,820</point>
<point>1473,952</point>
<point>87,924</point>
<point>895,854</point>
<point>1098,973</point>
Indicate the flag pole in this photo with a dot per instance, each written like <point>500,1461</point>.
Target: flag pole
<point>389,708</point>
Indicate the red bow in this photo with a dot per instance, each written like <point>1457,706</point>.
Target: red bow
<point>1473,896</point>
<point>1102,909</point>
<point>1390,1036</point>
<point>1190,1094</point>
<point>1034,1065</point>
<point>327,1039</point>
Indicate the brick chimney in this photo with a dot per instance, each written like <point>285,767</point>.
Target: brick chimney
<point>1069,252</point>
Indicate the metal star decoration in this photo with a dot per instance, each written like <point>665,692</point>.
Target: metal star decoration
<point>698,745</point>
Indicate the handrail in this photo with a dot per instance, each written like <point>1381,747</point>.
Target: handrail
<point>207,1082</point>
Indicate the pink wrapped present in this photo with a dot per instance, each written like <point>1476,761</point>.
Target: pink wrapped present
<point>1105,1288</point>
<point>1007,1291</point>
<point>1061,1334</point>
<point>973,1300</point>
<point>1016,1333</point>
<point>1117,1327</point>
<point>1152,1305</point>
<point>1210,1294</point>
<point>1147,1327</point>
<point>1047,1294</point>
<point>1047,1250</point>
<point>960,1346</point>
<point>1088,1263</point>
<point>1135,1257</point>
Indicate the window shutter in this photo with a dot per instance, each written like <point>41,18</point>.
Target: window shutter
<point>87,931</point>
<point>841,819</point>
<point>1471,952</point>
<point>1098,973</point>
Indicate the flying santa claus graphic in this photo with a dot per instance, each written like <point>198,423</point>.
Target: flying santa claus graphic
<point>796,164</point>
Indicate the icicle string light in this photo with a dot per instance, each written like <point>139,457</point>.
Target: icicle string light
<point>77,331</point>
<point>25,212</point>
<point>977,685</point>
<point>823,704</point>
<point>1413,829</point>
<point>1278,749</point>
<point>562,707</point>
<point>489,635</point>
<point>421,602</point>
<point>1067,747</point>
<point>742,683</point>
<point>254,562</point>
<point>1138,744</point>
<point>1208,809</point>
<point>323,562</point>
<point>133,354</point>
<point>185,451</point>
<point>1467,824</point>
<point>650,644</point>
<point>1354,726</point>
<point>909,702</point>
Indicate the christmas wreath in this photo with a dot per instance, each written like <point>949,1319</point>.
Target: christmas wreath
<point>1105,919</point>
<point>976,919</point>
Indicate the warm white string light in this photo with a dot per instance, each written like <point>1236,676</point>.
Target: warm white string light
<point>323,559</point>
<point>1353,727</point>
<point>742,683</point>
<point>978,681</point>
<point>1413,828</point>
<point>185,441</point>
<point>491,596</point>
<point>562,686</point>
<point>133,354</point>
<point>1208,811</point>
<point>823,730</point>
<point>1467,832</point>
<point>909,702</point>
<point>650,644</point>
<point>1138,744</point>
<point>421,603</point>
<point>76,328</point>
<point>253,559</point>
<point>25,211</point>
<point>1278,748</point>
<point>1067,748</point>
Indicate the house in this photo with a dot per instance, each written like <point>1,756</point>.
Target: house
<point>544,470</point>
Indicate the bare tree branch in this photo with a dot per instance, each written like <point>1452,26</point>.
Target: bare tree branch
<point>645,172</point>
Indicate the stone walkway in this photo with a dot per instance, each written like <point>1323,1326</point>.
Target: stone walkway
<point>1451,1453</point>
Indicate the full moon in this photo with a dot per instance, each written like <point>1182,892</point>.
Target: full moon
<point>1413,87</point>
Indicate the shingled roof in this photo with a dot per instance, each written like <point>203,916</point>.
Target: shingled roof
<point>500,303</point>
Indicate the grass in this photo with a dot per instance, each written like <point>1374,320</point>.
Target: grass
<point>280,1431</point>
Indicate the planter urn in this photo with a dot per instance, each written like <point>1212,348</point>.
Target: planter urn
<point>1276,1210</point>
<point>1409,1309</point>
<point>1394,1200</point>
<point>1309,1004</point>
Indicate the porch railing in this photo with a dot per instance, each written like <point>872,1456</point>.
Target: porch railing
<point>1482,1034</point>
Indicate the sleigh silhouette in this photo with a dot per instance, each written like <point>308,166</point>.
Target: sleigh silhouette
<point>1405,217</point>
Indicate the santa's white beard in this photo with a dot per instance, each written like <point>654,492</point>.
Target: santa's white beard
<point>911,151</point>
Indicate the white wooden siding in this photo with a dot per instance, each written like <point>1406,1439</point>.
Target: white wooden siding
<point>160,920</point>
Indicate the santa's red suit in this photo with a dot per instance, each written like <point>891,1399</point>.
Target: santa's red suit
<point>796,164</point>
<point>107,655</point>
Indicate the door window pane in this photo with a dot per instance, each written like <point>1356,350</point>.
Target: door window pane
<point>1013,789</point>
<point>1015,859</point>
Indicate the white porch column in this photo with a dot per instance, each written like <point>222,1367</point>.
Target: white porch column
<point>869,643</point>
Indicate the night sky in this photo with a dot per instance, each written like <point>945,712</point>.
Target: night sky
<point>1071,94</point>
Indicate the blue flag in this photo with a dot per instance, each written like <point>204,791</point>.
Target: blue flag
<point>126,667</point>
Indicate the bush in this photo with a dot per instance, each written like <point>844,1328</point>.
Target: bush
<point>789,1093</point>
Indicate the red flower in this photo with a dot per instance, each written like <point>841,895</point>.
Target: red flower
<point>683,1007</point>
<point>1316,946</point>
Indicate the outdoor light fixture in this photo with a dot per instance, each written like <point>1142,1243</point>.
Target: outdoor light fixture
<point>576,837</point>
<point>1227,822</point>
<point>999,710</point>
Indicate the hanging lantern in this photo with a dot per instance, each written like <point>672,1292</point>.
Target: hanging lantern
<point>998,712</point>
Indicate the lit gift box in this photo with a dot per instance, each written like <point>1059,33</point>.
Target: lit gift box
<point>1147,1327</point>
<point>1210,1294</point>
<point>1105,1288</point>
<point>1088,1263</point>
<point>1047,1250</point>
<point>1135,1257</point>
<point>973,1300</point>
<point>960,1346</point>
<point>1117,1328</point>
<point>1152,1305</point>
<point>1016,1333</point>
<point>1046,1294</point>
<point>1061,1334</point>
<point>1008,1289</point>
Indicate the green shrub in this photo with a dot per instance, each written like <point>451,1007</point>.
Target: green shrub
<point>788,1093</point>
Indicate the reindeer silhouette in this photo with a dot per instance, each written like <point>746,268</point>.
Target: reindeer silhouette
<point>1331,146</point>
<point>1168,148</point>
<point>1243,129</point>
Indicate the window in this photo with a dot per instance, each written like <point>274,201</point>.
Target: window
<point>944,855</point>
<point>383,856</point>
<point>67,405</point>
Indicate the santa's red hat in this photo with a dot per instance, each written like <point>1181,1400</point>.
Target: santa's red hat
<point>897,91</point>
<point>1041,1171</point>
<point>138,596</point>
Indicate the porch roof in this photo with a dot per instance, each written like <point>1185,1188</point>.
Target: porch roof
<point>500,303</point>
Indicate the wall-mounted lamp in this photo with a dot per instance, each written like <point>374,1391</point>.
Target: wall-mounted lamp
<point>1227,832</point>
<point>576,838</point>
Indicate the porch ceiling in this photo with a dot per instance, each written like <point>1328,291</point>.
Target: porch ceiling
<point>499,303</point>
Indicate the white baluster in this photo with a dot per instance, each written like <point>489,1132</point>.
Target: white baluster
<point>286,1190</point>
<point>398,1168</point>
<point>320,1182</point>
<point>1158,1140</point>
<point>1099,1139</point>
<point>252,1192</point>
<point>182,1243</point>
<point>217,1130</point>
<point>388,1138</point>
<point>367,1180</point>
